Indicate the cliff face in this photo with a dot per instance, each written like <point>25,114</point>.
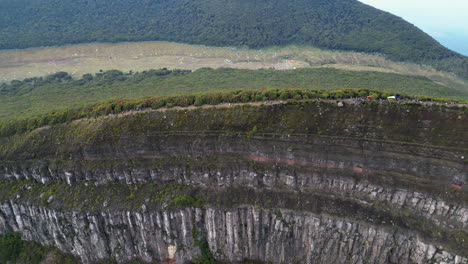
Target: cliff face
<point>233,235</point>
<point>299,183</point>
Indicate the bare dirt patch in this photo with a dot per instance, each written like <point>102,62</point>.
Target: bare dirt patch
<point>139,56</point>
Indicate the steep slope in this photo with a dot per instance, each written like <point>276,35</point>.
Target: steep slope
<point>305,182</point>
<point>337,24</point>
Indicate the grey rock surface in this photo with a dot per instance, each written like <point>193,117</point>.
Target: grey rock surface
<point>279,236</point>
<point>383,160</point>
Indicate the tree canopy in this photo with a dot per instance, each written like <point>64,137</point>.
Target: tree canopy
<point>334,24</point>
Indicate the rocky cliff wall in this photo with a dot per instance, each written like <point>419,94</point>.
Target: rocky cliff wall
<point>232,235</point>
<point>361,184</point>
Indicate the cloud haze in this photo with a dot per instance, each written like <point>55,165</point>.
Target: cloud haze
<point>446,21</point>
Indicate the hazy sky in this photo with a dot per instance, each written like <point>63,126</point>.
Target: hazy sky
<point>444,20</point>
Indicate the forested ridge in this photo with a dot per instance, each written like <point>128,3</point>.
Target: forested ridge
<point>334,24</point>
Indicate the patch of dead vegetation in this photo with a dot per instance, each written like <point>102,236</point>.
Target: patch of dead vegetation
<point>139,56</point>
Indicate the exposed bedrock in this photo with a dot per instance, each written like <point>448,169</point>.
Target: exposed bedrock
<point>279,236</point>
<point>394,164</point>
<point>131,162</point>
<point>367,171</point>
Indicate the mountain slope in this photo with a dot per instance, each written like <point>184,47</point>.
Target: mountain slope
<point>58,92</point>
<point>336,24</point>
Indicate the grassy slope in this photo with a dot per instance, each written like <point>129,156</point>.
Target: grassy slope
<point>140,56</point>
<point>26,101</point>
<point>334,24</point>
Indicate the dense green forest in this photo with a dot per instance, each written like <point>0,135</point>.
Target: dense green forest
<point>334,24</point>
<point>15,250</point>
<point>36,96</point>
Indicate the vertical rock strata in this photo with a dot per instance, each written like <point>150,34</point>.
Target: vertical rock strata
<point>368,184</point>
<point>233,235</point>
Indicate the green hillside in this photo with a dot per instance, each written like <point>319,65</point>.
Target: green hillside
<point>36,96</point>
<point>334,24</point>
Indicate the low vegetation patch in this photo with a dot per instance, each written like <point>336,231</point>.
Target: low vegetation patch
<point>84,197</point>
<point>15,250</point>
<point>60,93</point>
<point>229,95</point>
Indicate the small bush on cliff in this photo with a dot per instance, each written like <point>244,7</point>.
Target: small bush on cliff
<point>184,201</point>
<point>206,257</point>
<point>252,132</point>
